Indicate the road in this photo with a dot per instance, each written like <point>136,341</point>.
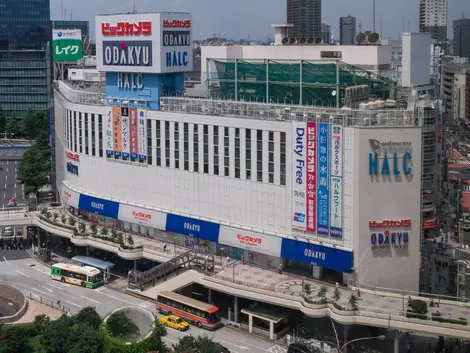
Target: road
<point>27,274</point>
<point>8,185</point>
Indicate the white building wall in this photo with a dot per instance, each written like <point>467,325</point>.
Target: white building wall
<point>416,64</point>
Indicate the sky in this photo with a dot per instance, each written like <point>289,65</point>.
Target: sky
<point>252,19</point>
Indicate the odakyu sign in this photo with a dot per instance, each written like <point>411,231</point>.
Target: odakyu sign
<point>323,256</point>
<point>98,206</point>
<point>193,227</point>
<point>144,43</point>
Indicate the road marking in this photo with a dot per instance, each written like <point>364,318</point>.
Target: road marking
<point>6,177</point>
<point>78,306</point>
<point>237,340</point>
<point>169,339</point>
<point>7,170</point>
<point>53,286</point>
<point>4,258</point>
<point>15,195</point>
<point>92,300</point>
<point>39,291</point>
<point>21,273</point>
<point>124,301</point>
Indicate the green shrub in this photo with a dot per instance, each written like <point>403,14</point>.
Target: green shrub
<point>122,328</point>
<point>439,318</point>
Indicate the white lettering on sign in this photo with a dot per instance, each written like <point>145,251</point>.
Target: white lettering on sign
<point>130,81</point>
<point>97,205</point>
<point>192,226</point>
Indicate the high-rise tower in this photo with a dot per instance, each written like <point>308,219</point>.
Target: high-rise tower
<point>305,15</point>
<point>433,18</point>
<point>347,30</point>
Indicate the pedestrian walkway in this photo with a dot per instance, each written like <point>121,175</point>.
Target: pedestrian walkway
<point>35,309</point>
<point>174,283</point>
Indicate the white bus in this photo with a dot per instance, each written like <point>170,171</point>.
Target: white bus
<point>85,276</point>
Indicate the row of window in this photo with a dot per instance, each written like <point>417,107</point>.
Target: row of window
<point>24,106</point>
<point>239,153</point>
<point>35,98</point>
<point>23,89</point>
<point>23,73</point>
<point>23,81</point>
<point>25,64</point>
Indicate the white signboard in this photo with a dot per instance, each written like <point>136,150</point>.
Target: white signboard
<point>108,130</point>
<point>142,216</point>
<point>70,197</point>
<point>142,140</point>
<point>336,189</point>
<point>125,136</point>
<point>251,241</point>
<point>299,174</point>
<point>144,43</point>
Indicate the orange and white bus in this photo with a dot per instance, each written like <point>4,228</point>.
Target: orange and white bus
<point>198,313</point>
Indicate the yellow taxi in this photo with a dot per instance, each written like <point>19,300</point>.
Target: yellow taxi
<point>175,322</point>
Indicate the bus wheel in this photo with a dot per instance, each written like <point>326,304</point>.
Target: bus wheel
<point>62,280</point>
<point>83,284</point>
<point>199,325</point>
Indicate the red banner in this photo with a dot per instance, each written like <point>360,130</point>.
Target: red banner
<point>133,132</point>
<point>311,177</point>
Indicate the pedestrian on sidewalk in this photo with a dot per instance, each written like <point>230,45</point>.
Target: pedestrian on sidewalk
<point>280,269</point>
<point>164,247</point>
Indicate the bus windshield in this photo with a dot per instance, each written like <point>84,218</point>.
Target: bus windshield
<point>212,318</point>
<point>96,278</point>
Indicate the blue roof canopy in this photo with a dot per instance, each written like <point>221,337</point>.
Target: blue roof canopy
<point>91,261</point>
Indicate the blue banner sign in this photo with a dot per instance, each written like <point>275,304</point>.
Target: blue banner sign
<point>98,206</point>
<point>193,227</point>
<point>323,256</point>
<point>323,190</point>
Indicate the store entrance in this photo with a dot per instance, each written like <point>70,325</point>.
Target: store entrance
<point>315,272</point>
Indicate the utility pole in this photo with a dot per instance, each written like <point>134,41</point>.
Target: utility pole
<point>373,19</point>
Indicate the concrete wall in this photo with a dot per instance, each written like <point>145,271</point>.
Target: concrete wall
<point>144,319</point>
<point>17,298</point>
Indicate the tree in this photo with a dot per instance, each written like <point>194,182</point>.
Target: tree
<point>353,302</point>
<point>55,216</point>
<point>121,327</point>
<point>94,229</point>
<point>86,339</point>
<point>114,235</point>
<point>72,221</point>
<point>104,231</point>
<point>34,123</point>
<point>88,316</point>
<point>48,215</point>
<point>14,339</point>
<point>55,338</point>
<point>307,289</point>
<point>3,121</point>
<point>322,292</point>
<point>13,126</point>
<point>82,228</point>
<point>337,294</point>
<point>130,240</point>
<point>204,344</point>
<point>63,218</point>
<point>34,170</point>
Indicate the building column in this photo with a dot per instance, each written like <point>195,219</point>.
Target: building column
<point>250,323</point>
<point>396,342</point>
<point>345,338</point>
<point>135,265</point>
<point>235,311</point>
<point>209,296</point>
<point>271,330</point>
<point>87,250</point>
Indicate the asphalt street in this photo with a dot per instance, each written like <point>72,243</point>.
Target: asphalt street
<point>8,185</point>
<point>27,274</point>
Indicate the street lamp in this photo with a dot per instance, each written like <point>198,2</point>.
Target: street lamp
<point>341,348</point>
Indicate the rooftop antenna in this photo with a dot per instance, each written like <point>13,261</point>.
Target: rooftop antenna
<point>381,29</point>
<point>62,8</point>
<point>373,18</point>
<point>133,9</point>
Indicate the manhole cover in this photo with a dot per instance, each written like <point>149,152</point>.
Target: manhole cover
<point>11,304</point>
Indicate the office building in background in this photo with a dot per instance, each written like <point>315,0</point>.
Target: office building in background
<point>305,15</point>
<point>84,26</point>
<point>462,38</point>
<point>326,33</point>
<point>25,63</point>
<point>433,18</point>
<point>347,30</point>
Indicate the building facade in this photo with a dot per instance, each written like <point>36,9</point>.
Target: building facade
<point>347,30</point>
<point>433,18</point>
<point>462,95</point>
<point>326,33</point>
<point>25,63</point>
<point>305,15</point>
<point>462,38</point>
<point>451,67</point>
<point>84,26</point>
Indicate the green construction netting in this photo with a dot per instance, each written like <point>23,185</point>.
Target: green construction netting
<point>318,81</point>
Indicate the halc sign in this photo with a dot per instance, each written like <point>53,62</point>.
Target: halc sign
<point>176,59</point>
<point>126,28</point>
<point>130,81</point>
<point>130,53</point>
<point>176,23</point>
<point>72,168</point>
<point>390,155</point>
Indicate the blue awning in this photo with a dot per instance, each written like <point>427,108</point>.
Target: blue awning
<point>91,261</point>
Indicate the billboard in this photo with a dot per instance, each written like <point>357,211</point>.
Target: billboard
<point>323,190</point>
<point>336,185</point>
<point>108,132</point>
<point>299,175</point>
<point>251,241</point>
<point>311,190</point>
<point>125,132</point>
<point>134,133</point>
<point>142,134</point>
<point>117,140</point>
<point>66,44</point>
<point>144,43</point>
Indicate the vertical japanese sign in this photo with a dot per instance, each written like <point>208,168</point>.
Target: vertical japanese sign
<point>108,131</point>
<point>311,177</point>
<point>323,193</point>
<point>117,131</point>
<point>336,190</point>
<point>125,132</point>
<point>142,134</point>
<point>299,175</point>
<point>134,132</point>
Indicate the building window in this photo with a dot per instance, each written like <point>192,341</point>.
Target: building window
<point>159,147</point>
<point>80,143</point>
<point>271,157</point>
<point>167,144</point>
<point>283,158</point>
<point>196,148</point>
<point>93,135</point>
<point>86,134</point>
<point>186,146</point>
<point>248,153</point>
<point>100,134</point>
<point>149,141</point>
<point>259,155</point>
<point>75,131</point>
<point>226,152</point>
<point>177,145</point>
<point>216,150</point>
<point>237,153</point>
<point>206,148</point>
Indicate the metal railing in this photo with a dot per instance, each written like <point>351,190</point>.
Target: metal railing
<point>80,96</point>
<point>55,305</point>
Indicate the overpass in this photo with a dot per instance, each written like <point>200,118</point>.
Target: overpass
<point>381,308</point>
